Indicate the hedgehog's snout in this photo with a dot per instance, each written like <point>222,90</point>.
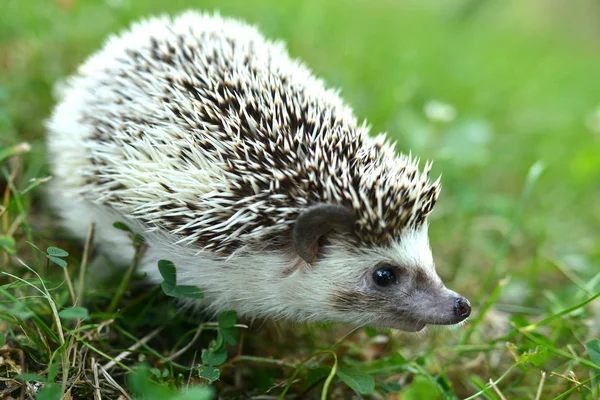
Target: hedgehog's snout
<point>462,308</point>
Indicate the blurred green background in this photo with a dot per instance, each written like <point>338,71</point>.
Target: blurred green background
<point>493,91</point>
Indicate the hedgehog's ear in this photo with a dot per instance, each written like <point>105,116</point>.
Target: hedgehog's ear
<point>314,223</point>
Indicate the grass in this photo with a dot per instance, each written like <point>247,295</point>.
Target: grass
<point>503,95</point>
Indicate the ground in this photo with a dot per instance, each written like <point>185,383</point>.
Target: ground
<point>503,95</point>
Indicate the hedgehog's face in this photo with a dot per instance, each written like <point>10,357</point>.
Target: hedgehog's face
<point>393,286</point>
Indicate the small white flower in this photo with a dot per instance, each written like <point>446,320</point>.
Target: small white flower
<point>439,112</point>
<point>381,339</point>
<point>592,121</point>
<point>117,3</point>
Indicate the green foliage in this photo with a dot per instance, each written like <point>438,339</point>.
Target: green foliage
<point>227,319</point>
<point>214,356</point>
<point>357,380</point>
<point>209,372</point>
<point>593,349</point>
<point>370,331</point>
<point>30,377</point>
<point>168,272</point>
<point>422,388</point>
<point>74,313</point>
<point>145,388</point>
<point>121,226</point>
<point>537,356</point>
<point>169,285</point>
<point>53,254</point>
<point>7,244</point>
<point>12,151</point>
<point>51,391</point>
<point>56,252</point>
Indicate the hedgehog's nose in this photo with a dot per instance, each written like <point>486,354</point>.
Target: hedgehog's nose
<point>462,308</point>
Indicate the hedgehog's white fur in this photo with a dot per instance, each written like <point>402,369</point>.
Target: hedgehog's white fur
<point>153,131</point>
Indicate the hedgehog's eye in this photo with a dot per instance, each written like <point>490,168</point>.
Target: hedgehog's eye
<point>384,276</point>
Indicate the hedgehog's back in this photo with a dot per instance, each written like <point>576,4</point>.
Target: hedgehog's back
<point>200,127</point>
<point>173,118</point>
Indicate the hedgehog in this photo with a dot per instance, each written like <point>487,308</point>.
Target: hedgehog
<point>245,170</point>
